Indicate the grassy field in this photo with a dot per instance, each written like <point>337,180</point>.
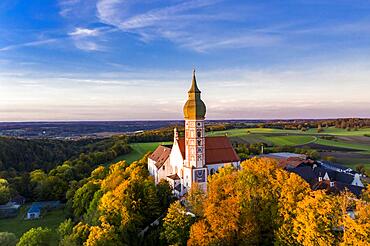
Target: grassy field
<point>18,225</point>
<point>326,131</point>
<point>280,137</point>
<point>355,146</point>
<point>290,140</point>
<point>138,151</point>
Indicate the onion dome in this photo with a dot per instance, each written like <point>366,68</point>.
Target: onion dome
<point>194,108</point>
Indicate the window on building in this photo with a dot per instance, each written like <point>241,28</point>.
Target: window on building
<point>199,134</point>
<point>213,171</point>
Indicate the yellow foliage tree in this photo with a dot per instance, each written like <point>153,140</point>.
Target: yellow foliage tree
<point>356,231</point>
<point>317,216</point>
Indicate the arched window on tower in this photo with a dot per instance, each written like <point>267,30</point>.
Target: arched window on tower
<point>199,133</point>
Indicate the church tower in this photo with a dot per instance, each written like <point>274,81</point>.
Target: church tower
<point>194,114</point>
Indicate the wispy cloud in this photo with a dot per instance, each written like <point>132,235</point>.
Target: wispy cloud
<point>83,32</point>
<point>66,6</point>
<point>85,38</point>
<point>207,25</point>
<point>190,24</point>
<point>29,44</point>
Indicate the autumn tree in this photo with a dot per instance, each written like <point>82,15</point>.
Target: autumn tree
<point>116,203</point>
<point>317,216</point>
<point>366,193</point>
<point>195,198</point>
<point>356,229</point>
<point>252,206</point>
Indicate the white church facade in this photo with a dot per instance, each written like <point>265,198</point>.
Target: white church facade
<point>191,159</point>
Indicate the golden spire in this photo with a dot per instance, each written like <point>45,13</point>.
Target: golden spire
<point>194,108</point>
<point>194,87</point>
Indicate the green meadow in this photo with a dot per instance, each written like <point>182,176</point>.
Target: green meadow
<point>19,225</point>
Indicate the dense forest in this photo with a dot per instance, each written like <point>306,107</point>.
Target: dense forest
<point>43,169</point>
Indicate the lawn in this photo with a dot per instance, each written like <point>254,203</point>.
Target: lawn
<point>138,151</point>
<point>18,225</point>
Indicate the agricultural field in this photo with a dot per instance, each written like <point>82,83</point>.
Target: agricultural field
<point>18,225</point>
<point>350,148</point>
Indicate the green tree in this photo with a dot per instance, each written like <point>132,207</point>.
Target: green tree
<point>8,239</point>
<point>83,197</point>
<point>65,230</point>
<point>36,237</point>
<point>4,191</point>
<point>164,194</point>
<point>177,224</point>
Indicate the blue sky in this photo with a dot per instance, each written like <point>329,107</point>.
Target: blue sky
<point>122,59</point>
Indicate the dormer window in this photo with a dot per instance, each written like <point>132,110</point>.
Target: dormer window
<point>331,184</point>
<point>320,179</point>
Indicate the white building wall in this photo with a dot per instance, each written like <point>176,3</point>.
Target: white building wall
<point>177,162</point>
<point>164,171</point>
<point>216,167</point>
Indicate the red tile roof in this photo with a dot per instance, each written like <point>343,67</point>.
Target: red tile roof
<point>218,150</point>
<point>160,155</point>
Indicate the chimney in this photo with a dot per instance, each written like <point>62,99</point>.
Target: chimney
<point>357,181</point>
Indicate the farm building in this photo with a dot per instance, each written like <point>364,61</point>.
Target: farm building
<point>34,212</point>
<point>8,210</point>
